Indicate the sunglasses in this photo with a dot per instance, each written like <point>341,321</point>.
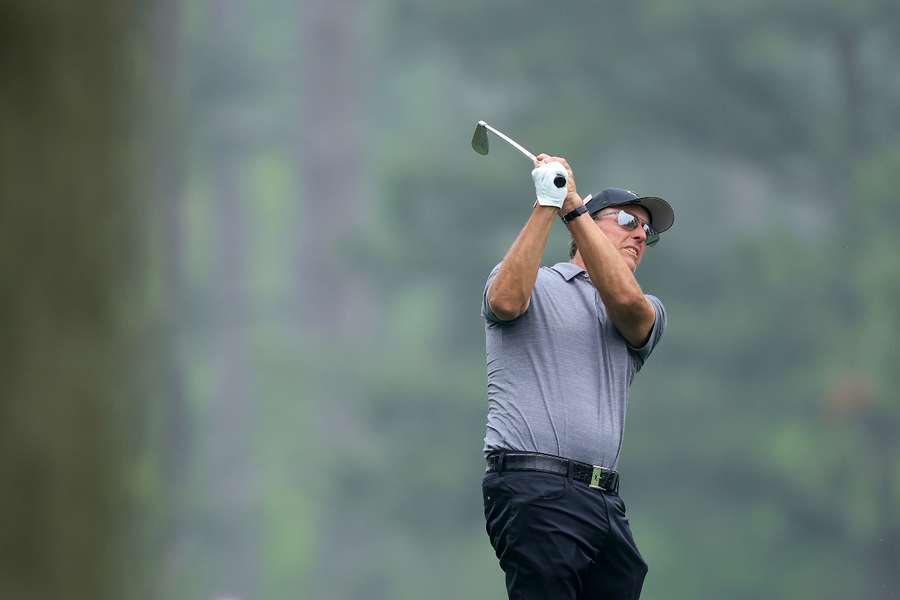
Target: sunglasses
<point>629,222</point>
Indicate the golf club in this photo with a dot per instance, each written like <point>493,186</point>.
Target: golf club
<point>480,140</point>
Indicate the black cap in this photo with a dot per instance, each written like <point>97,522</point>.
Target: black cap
<point>661,214</point>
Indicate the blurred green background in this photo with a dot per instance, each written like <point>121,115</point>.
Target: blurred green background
<point>243,246</point>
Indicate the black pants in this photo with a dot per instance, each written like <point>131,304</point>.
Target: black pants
<point>560,539</point>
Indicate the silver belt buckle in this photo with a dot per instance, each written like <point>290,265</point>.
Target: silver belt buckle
<point>596,474</point>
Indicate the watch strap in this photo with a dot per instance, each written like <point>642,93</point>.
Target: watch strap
<point>574,214</point>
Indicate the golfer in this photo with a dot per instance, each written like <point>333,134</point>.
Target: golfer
<point>563,345</point>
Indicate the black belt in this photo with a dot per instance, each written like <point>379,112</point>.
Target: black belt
<point>596,477</point>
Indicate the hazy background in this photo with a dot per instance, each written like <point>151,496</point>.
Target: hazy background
<point>243,245</point>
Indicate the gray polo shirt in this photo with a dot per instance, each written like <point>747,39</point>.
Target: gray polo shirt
<point>558,375</point>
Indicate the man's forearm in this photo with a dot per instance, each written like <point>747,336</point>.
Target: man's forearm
<point>615,282</point>
<point>608,270</point>
<point>510,291</point>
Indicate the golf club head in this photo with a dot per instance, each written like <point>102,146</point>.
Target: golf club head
<point>480,139</point>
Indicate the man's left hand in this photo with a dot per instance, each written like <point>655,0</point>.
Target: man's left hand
<point>572,199</point>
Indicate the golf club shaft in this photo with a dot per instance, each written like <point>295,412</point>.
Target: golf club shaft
<point>511,142</point>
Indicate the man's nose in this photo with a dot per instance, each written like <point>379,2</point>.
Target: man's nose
<point>639,234</point>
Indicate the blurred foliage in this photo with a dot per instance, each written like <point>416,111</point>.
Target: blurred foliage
<point>314,240</point>
<point>771,128</point>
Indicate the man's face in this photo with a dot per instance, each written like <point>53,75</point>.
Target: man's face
<point>631,244</point>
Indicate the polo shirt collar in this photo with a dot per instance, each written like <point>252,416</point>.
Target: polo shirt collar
<point>567,269</point>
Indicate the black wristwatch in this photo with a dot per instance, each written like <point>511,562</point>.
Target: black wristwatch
<point>574,214</point>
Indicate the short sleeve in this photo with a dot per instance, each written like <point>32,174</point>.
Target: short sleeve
<point>486,311</point>
<point>659,327</point>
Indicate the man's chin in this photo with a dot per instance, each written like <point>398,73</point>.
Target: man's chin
<point>631,260</point>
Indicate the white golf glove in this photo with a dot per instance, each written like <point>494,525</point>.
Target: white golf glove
<point>547,178</point>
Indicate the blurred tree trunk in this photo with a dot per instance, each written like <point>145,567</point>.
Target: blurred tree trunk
<point>168,189</point>
<point>847,43</point>
<point>330,166</point>
<point>171,437</point>
<point>333,300</point>
<point>234,487</point>
<point>884,547</point>
<point>70,310</point>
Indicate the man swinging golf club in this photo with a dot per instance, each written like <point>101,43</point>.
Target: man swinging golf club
<point>563,344</point>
